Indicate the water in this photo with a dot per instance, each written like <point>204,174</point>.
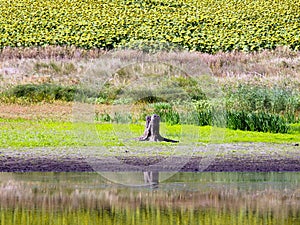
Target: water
<point>155,198</point>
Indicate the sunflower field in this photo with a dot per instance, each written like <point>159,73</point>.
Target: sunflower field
<point>197,25</point>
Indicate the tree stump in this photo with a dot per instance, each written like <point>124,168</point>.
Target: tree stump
<point>151,132</point>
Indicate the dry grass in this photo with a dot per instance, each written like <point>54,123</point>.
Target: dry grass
<point>49,52</point>
<point>48,63</point>
<point>57,111</point>
<point>278,62</point>
<point>69,65</point>
<point>53,111</point>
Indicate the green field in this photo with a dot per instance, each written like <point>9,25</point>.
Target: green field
<point>205,26</point>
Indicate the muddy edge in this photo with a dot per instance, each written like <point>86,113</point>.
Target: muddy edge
<point>242,157</point>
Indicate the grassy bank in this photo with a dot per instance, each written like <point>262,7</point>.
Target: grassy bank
<point>30,133</point>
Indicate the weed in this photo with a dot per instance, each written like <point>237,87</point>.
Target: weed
<point>53,67</point>
<point>103,117</point>
<point>260,98</point>
<point>166,112</point>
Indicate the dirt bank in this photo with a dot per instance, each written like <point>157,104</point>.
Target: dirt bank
<point>233,157</point>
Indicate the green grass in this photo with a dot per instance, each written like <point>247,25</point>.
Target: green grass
<point>18,133</point>
<point>295,128</point>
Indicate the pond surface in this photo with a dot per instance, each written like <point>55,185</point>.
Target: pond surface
<point>153,198</point>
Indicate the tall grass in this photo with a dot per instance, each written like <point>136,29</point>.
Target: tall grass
<point>259,98</point>
<point>166,113</point>
<point>204,114</point>
<point>256,121</point>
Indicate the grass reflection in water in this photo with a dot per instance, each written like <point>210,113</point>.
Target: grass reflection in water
<point>186,198</point>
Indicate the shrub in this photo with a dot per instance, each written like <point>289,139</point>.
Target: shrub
<point>47,92</point>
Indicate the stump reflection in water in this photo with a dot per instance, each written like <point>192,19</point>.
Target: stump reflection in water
<point>151,178</point>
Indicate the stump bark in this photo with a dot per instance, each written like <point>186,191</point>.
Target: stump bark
<point>151,132</point>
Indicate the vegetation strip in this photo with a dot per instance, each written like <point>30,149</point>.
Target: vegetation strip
<point>269,102</point>
<point>253,107</point>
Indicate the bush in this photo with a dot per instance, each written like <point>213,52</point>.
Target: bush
<point>43,92</point>
<point>47,92</point>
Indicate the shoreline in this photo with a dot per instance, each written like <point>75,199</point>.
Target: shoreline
<point>219,165</point>
<point>242,157</point>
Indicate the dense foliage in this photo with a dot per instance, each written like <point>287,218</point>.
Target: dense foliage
<point>206,25</point>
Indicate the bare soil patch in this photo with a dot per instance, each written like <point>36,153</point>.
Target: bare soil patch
<point>13,164</point>
<point>61,111</point>
<point>57,110</point>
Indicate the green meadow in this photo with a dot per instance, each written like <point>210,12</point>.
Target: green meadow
<point>19,133</point>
